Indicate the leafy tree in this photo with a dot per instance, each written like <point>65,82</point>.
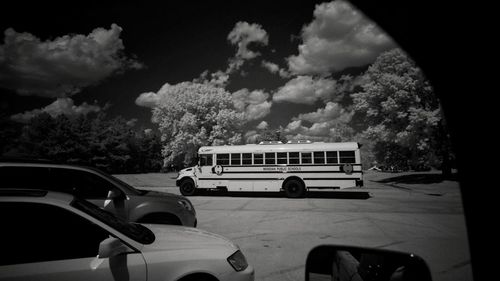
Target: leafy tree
<point>94,140</point>
<point>109,143</point>
<point>271,135</point>
<point>9,134</point>
<point>145,151</point>
<point>34,139</point>
<point>342,132</point>
<point>63,142</point>
<point>368,158</point>
<point>401,112</point>
<point>191,115</point>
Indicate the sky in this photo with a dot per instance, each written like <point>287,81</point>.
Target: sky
<point>282,61</point>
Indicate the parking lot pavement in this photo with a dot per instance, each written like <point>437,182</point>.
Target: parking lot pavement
<point>276,233</point>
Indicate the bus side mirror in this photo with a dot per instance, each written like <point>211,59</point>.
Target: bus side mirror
<point>355,263</point>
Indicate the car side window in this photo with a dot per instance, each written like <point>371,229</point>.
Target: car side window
<point>26,177</point>
<point>82,184</point>
<point>40,232</point>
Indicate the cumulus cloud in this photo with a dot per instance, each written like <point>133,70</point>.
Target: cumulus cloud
<point>274,68</point>
<point>64,65</point>
<point>262,125</point>
<point>149,99</point>
<point>338,37</point>
<point>219,78</point>
<point>306,90</point>
<point>251,136</point>
<point>64,106</point>
<point>332,111</point>
<point>323,131</point>
<point>316,129</point>
<point>258,111</point>
<point>242,35</point>
<point>253,103</point>
<point>326,124</point>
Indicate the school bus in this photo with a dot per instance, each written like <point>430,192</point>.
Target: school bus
<point>292,167</point>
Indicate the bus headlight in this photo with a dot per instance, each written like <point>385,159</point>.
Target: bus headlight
<point>238,261</point>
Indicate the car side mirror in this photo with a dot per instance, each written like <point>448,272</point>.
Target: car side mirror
<point>115,193</point>
<point>342,263</point>
<point>111,247</point>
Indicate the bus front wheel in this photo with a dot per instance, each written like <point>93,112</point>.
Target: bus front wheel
<point>294,189</point>
<point>187,188</point>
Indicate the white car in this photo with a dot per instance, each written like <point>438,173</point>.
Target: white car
<point>54,236</point>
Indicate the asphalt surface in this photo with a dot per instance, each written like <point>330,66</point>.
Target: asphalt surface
<point>411,212</point>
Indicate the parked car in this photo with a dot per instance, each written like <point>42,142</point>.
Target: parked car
<point>101,189</point>
<point>56,236</point>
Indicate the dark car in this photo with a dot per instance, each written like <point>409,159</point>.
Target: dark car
<point>102,189</point>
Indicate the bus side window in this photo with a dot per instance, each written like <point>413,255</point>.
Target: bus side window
<point>306,157</point>
<point>331,157</point>
<point>247,159</point>
<point>293,158</point>
<point>258,159</point>
<point>282,158</point>
<point>223,159</point>
<point>347,157</point>
<point>319,157</point>
<point>206,160</point>
<point>235,159</point>
<point>270,158</point>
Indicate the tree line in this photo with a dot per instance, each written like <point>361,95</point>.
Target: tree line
<point>395,116</point>
<point>110,144</point>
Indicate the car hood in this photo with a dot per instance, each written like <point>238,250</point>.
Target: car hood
<point>170,237</point>
<point>162,194</point>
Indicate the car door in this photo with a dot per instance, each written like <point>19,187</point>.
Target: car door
<point>46,242</point>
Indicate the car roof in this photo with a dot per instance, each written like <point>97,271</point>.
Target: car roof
<point>26,160</point>
<point>43,163</point>
<point>23,192</point>
<point>46,164</point>
<point>34,195</point>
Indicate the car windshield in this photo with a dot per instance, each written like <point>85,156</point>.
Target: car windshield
<point>128,187</point>
<point>134,231</point>
<point>121,183</point>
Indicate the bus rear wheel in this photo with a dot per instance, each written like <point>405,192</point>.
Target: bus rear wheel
<point>187,188</point>
<point>294,189</point>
